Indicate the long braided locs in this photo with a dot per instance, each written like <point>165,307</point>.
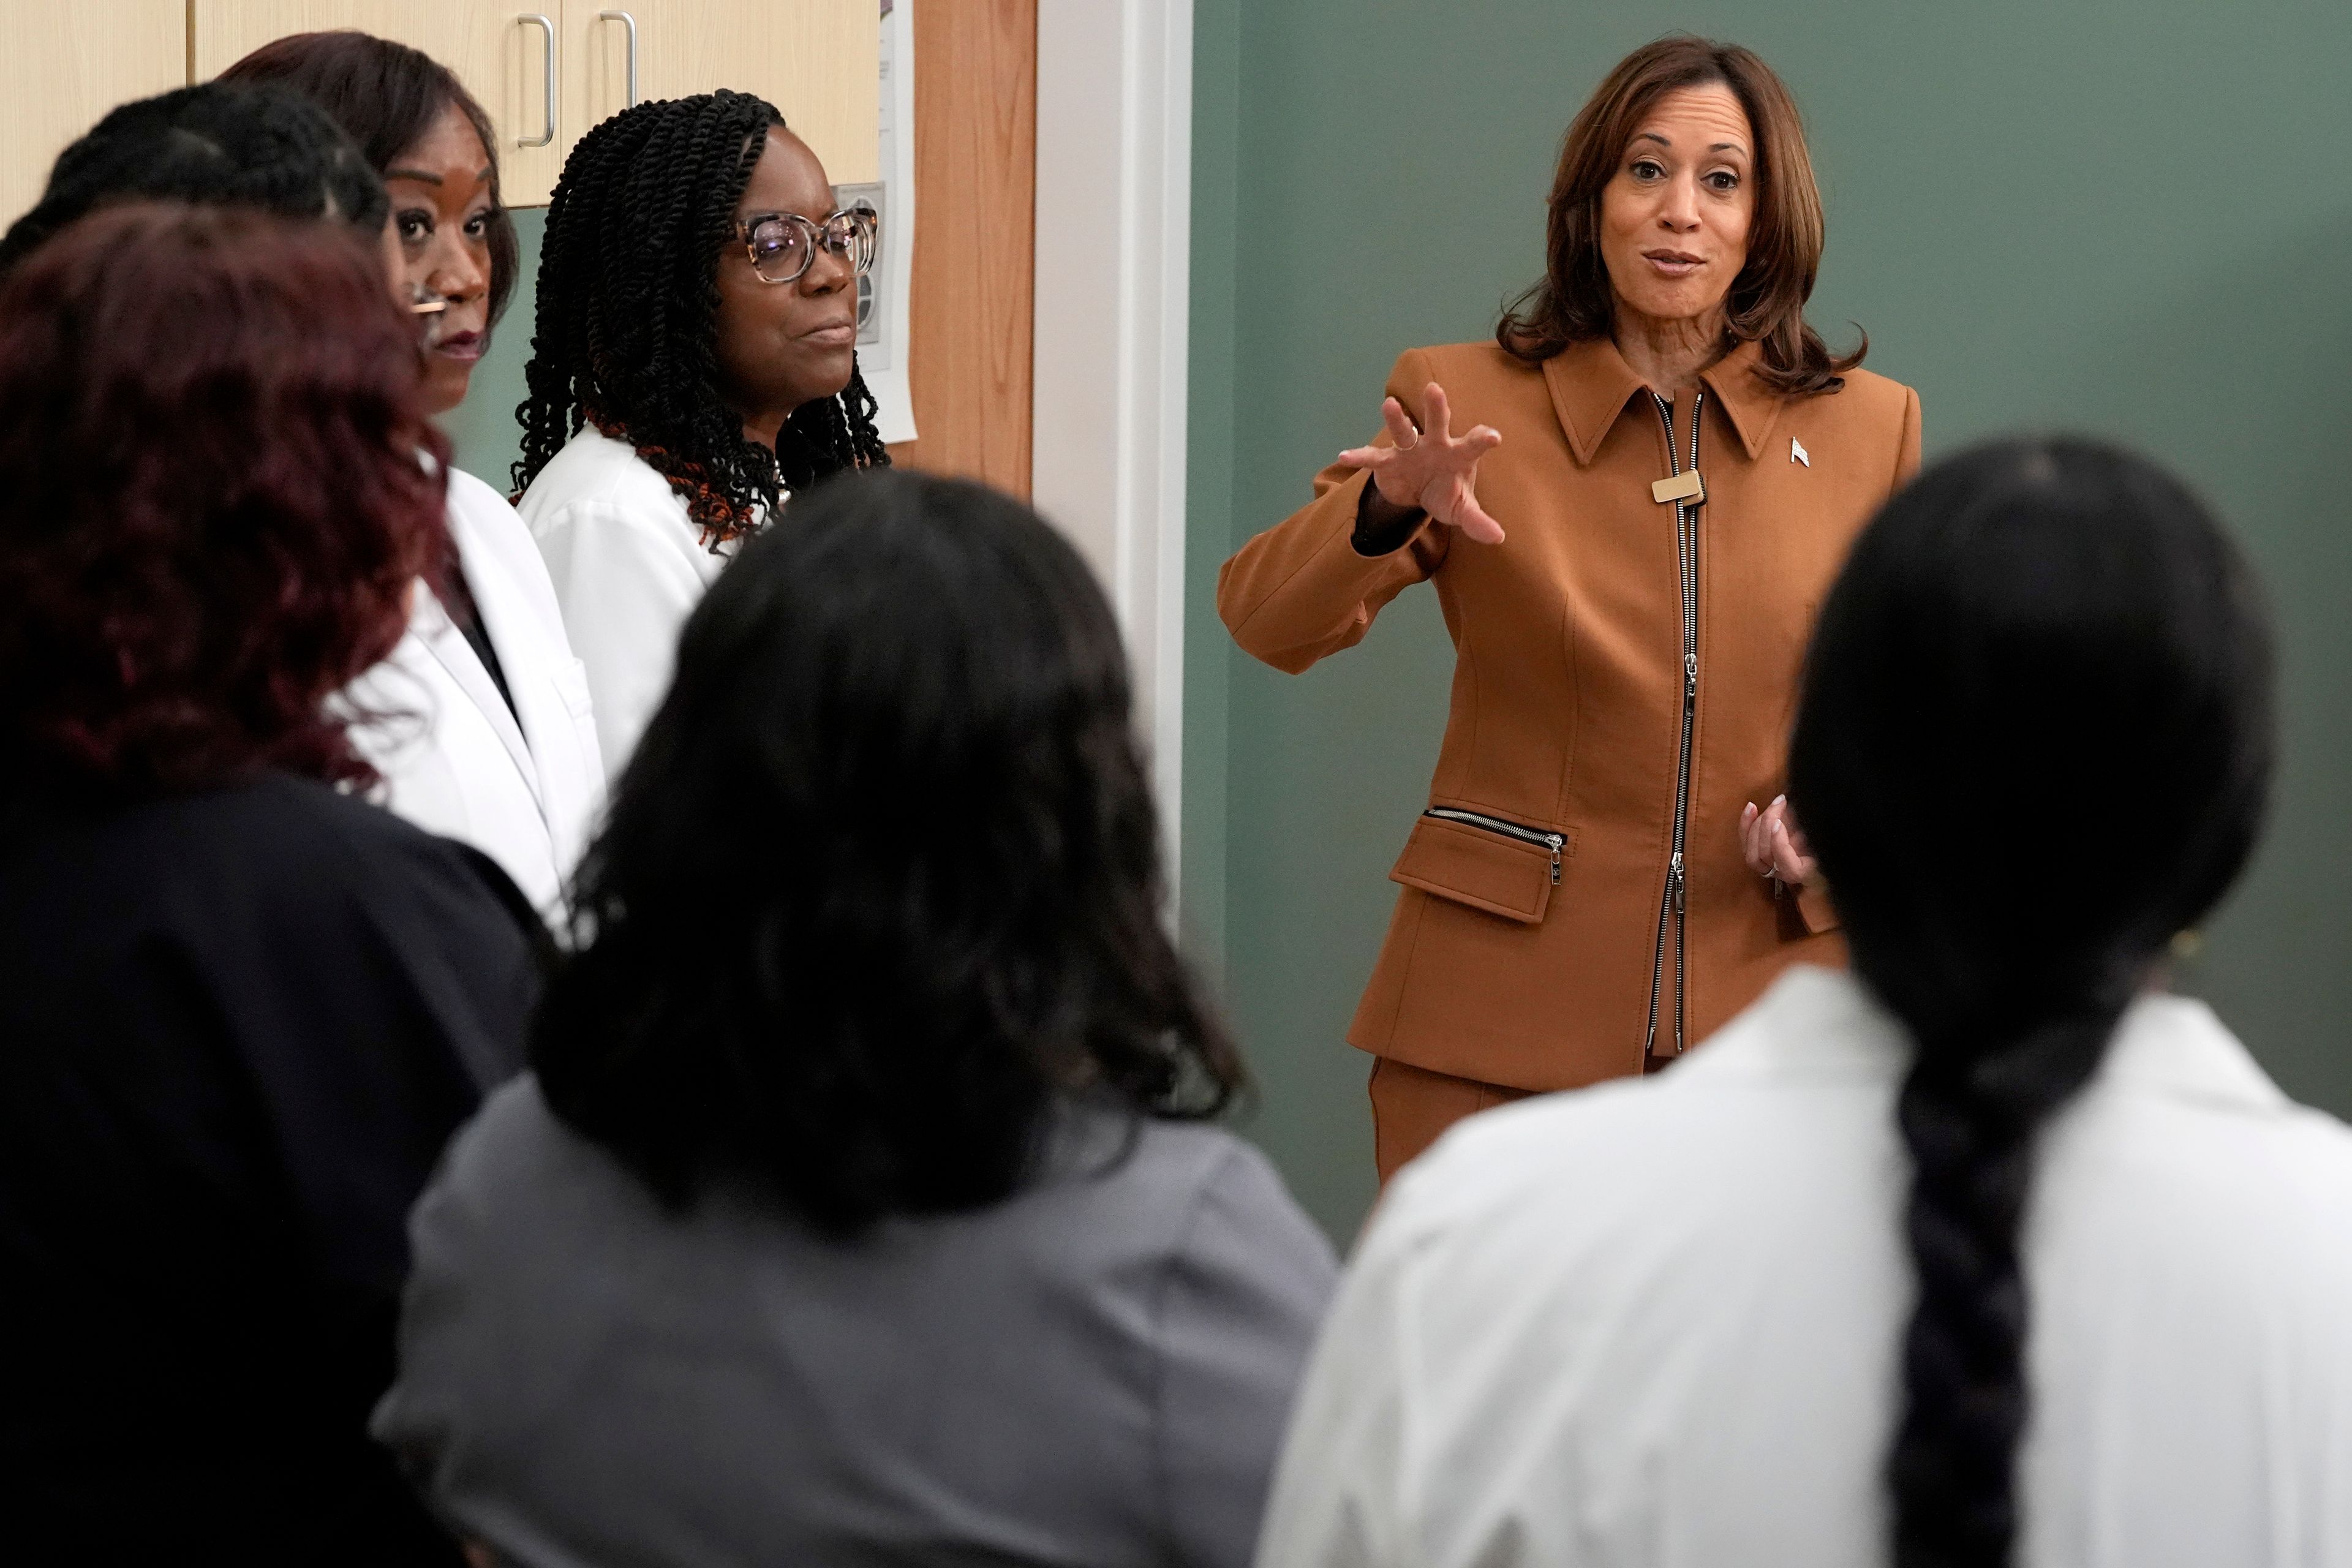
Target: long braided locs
<point>1969,1111</point>
<point>626,333</point>
<point>2051,650</point>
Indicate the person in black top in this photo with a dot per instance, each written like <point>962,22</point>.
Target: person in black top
<point>498,750</point>
<point>240,1011</point>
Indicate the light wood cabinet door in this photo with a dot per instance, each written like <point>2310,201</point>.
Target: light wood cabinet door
<point>818,60</point>
<point>500,56</point>
<point>63,65</point>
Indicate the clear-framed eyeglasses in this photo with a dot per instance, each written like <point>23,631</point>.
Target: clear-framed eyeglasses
<point>781,244</point>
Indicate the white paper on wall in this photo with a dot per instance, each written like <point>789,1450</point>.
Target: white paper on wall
<point>882,315</point>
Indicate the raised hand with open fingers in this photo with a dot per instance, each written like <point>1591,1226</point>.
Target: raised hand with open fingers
<point>1432,469</point>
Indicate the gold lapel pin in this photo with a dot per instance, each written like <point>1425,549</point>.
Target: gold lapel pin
<point>1685,486</point>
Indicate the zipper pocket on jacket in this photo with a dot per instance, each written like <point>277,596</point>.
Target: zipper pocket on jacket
<point>1555,842</point>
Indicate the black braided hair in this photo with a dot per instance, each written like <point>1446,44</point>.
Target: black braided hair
<point>213,144</point>
<point>629,300</point>
<point>2051,651</point>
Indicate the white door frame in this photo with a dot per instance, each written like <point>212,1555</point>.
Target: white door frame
<point>1113,303</point>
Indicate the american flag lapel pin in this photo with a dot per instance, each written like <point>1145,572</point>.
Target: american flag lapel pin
<point>1797,453</point>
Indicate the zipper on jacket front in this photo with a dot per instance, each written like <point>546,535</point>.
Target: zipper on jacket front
<point>1672,902</point>
<point>1555,842</point>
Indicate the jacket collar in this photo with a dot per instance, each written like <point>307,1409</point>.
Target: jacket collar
<point>1818,1021</point>
<point>1746,401</point>
<point>431,626</point>
<point>1591,384</point>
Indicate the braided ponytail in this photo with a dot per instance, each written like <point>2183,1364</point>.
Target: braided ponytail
<point>1968,1113</point>
<point>626,335</point>
<point>2051,648</point>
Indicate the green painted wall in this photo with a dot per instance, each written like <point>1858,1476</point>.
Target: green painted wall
<point>2045,220</point>
<point>2049,214</point>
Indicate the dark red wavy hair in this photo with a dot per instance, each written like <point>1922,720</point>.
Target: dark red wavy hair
<point>217,485</point>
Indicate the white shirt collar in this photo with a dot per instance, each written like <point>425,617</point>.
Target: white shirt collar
<point>1816,1022</point>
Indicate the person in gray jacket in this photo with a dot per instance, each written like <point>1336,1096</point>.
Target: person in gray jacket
<point>862,1206</point>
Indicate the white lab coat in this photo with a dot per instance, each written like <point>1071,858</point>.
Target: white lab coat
<point>1655,1324</point>
<point>522,784</point>
<point>628,566</point>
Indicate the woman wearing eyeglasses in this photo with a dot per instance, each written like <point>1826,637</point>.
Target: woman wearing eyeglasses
<point>694,364</point>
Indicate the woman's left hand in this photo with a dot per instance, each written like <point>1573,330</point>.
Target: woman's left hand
<point>1774,845</point>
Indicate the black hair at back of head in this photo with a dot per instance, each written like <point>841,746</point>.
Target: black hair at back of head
<point>628,301</point>
<point>2035,743</point>
<point>213,144</point>
<point>934,901</point>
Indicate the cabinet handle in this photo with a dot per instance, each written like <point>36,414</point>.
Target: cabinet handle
<point>548,135</point>
<point>631,23</point>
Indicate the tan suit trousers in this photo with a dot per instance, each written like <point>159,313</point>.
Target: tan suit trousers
<point>1412,1106</point>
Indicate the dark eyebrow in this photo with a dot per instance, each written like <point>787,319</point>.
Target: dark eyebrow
<point>1661,140</point>
<point>481,173</point>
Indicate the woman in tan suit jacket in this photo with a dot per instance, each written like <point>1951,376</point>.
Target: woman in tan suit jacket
<point>1662,469</point>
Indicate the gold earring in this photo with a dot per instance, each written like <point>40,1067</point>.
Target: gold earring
<point>2188,944</point>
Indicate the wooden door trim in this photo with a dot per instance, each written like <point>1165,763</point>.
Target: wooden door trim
<point>1112,313</point>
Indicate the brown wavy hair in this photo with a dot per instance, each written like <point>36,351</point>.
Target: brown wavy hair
<point>1574,302</point>
<point>217,482</point>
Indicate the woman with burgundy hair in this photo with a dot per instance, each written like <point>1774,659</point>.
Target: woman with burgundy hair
<point>242,1009</point>
<point>484,731</point>
<point>1630,502</point>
